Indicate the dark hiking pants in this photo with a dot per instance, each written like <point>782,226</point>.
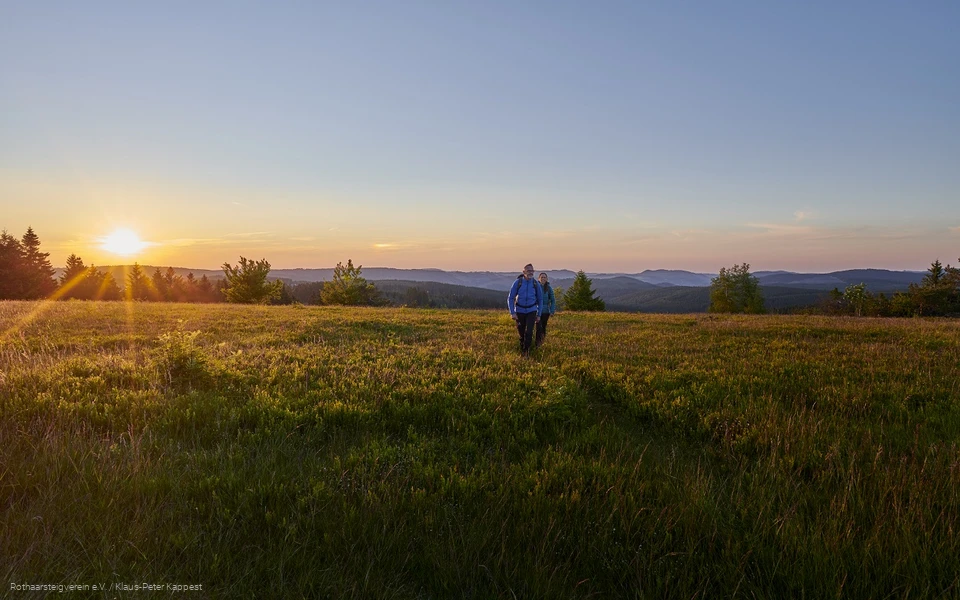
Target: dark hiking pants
<point>525,326</point>
<point>542,328</point>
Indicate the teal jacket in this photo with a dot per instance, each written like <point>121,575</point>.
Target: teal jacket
<point>549,300</point>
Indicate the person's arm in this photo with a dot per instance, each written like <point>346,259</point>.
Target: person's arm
<point>539,292</point>
<point>512,299</point>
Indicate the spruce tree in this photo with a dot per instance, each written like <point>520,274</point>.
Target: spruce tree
<point>206,291</point>
<point>36,274</point>
<point>73,280</point>
<point>75,268</point>
<point>175,285</point>
<point>159,290</point>
<point>935,274</point>
<point>138,285</point>
<point>952,280</point>
<point>106,285</point>
<point>935,294</point>
<point>580,296</point>
<point>11,265</point>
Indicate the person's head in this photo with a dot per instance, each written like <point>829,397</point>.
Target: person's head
<point>543,278</point>
<point>528,271</point>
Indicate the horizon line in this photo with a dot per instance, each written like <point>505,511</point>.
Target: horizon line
<point>595,273</point>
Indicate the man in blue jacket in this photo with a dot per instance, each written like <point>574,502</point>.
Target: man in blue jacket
<point>525,302</point>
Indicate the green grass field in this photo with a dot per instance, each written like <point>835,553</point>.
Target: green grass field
<point>396,453</point>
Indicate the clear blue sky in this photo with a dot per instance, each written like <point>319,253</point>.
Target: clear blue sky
<point>606,136</point>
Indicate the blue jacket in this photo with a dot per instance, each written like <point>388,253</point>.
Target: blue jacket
<point>549,300</point>
<point>525,296</point>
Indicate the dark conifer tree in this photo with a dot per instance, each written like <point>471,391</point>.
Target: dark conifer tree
<point>107,288</point>
<point>73,282</point>
<point>11,267</point>
<point>138,285</point>
<point>37,274</point>
<point>175,285</point>
<point>207,292</point>
<point>580,295</point>
<point>159,291</point>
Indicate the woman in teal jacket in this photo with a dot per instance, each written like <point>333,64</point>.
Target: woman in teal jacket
<point>549,307</point>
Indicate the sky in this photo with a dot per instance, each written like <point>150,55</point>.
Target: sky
<point>604,136</point>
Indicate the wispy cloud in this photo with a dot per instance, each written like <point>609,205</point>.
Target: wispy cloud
<point>802,215</point>
<point>557,234</point>
<point>688,233</point>
<point>249,234</point>
<point>779,228</point>
<point>640,240</point>
<point>495,235</point>
<point>183,242</point>
<point>955,229</point>
<point>257,237</point>
<point>419,245</point>
<point>388,246</point>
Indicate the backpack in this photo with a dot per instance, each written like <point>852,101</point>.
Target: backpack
<point>519,277</point>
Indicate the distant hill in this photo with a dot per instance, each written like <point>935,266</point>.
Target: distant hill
<point>612,287</point>
<point>650,290</point>
<point>440,295</point>
<point>481,279</point>
<point>672,299</point>
<point>686,299</point>
<point>876,280</point>
<point>674,277</point>
<point>426,294</point>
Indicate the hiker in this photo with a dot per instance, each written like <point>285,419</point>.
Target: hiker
<point>549,307</point>
<point>525,302</point>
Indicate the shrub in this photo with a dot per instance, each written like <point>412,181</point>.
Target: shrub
<point>181,362</point>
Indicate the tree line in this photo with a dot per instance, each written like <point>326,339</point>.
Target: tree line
<point>736,290</point>
<point>26,274</point>
<point>937,294</point>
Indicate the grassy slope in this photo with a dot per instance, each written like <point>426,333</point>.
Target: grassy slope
<point>407,453</point>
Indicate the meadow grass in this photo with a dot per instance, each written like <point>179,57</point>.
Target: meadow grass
<point>397,453</point>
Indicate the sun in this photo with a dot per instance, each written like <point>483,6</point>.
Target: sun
<point>123,242</point>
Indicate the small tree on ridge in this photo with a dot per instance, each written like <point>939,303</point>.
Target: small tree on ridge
<point>247,282</point>
<point>735,290</point>
<point>348,288</point>
<point>580,295</point>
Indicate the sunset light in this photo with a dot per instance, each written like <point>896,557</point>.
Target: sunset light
<point>486,299</point>
<point>123,242</point>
